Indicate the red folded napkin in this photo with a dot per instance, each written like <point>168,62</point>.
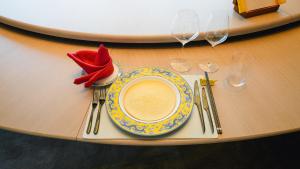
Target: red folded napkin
<point>97,65</point>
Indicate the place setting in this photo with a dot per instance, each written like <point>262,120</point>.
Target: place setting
<point>150,103</point>
<point>145,103</point>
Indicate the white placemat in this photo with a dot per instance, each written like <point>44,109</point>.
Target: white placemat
<point>190,130</point>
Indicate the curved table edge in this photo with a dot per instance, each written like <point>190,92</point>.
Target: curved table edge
<point>142,38</point>
<point>156,142</point>
<point>176,142</point>
<point>37,134</point>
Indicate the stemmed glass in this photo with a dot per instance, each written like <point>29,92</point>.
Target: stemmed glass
<point>184,28</point>
<point>216,33</point>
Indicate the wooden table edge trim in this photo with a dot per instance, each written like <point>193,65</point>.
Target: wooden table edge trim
<point>174,142</point>
<point>140,38</point>
<point>37,134</point>
<point>161,142</point>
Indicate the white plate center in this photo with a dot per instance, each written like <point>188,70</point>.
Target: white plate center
<point>149,99</point>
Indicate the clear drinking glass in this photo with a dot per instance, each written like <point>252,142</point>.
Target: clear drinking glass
<point>184,28</point>
<point>238,69</point>
<point>216,32</point>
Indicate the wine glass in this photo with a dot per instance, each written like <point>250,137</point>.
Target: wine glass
<point>216,33</point>
<point>184,28</point>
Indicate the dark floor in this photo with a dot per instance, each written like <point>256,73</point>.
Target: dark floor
<point>19,151</point>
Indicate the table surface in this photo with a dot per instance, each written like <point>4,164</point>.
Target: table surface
<point>131,21</point>
<point>38,97</point>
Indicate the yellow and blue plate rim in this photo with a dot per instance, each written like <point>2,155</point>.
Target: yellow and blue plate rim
<point>125,122</point>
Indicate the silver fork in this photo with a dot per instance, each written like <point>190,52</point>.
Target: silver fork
<point>96,93</point>
<point>102,97</point>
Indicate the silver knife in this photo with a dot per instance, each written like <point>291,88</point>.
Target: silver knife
<point>206,108</point>
<point>213,105</point>
<point>197,102</point>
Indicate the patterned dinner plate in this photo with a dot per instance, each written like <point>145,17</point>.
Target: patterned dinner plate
<point>149,101</point>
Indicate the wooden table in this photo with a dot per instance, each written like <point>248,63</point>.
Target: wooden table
<point>38,97</point>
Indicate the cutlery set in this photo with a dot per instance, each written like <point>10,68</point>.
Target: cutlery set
<point>99,95</point>
<point>203,100</point>
<point>205,106</point>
